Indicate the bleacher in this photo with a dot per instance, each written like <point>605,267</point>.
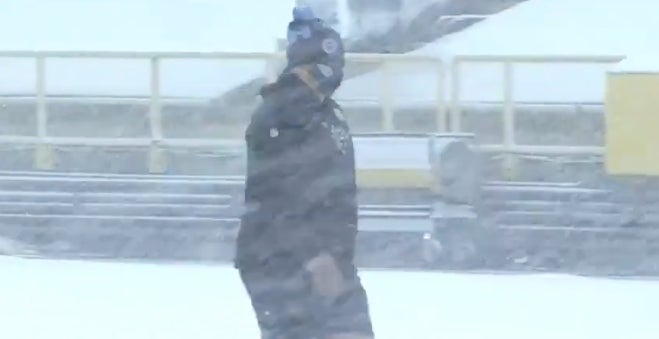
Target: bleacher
<point>564,212</point>
<point>196,217</point>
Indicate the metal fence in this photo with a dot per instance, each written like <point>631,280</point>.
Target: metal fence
<point>448,112</point>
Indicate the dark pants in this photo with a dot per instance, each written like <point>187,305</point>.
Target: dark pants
<point>287,307</point>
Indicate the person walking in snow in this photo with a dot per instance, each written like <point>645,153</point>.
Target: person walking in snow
<point>296,244</point>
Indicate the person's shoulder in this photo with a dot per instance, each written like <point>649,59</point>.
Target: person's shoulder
<point>319,25</point>
<point>331,41</point>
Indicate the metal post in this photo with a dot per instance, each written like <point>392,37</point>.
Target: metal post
<point>156,154</point>
<point>42,114</point>
<point>273,64</point>
<point>44,157</point>
<point>271,70</point>
<point>434,164</point>
<point>639,189</point>
<point>455,115</point>
<point>510,166</point>
<point>387,99</point>
<point>441,101</point>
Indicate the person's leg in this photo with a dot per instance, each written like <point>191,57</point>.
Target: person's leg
<point>349,314</point>
<point>344,302</point>
<point>284,306</point>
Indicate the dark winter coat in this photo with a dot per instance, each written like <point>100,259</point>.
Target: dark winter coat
<point>300,190</point>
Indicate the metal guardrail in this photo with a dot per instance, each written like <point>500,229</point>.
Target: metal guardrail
<point>508,61</point>
<point>510,146</point>
<point>44,155</point>
<point>448,111</point>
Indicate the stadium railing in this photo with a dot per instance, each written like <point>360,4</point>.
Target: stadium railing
<point>448,111</point>
<point>510,147</point>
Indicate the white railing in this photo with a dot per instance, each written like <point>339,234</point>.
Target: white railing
<point>509,145</point>
<point>446,110</point>
<point>44,157</point>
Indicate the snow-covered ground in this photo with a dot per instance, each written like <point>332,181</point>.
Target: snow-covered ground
<point>534,27</point>
<point>87,300</point>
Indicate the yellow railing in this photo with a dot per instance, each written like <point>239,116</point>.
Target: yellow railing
<point>44,157</point>
<point>508,62</point>
<point>448,112</point>
<point>510,147</point>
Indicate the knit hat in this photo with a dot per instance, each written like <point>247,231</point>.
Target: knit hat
<point>304,10</point>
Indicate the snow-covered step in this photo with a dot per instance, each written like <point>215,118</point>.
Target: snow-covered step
<point>158,210</point>
<point>112,197</point>
<point>119,184</point>
<point>495,183</point>
<point>37,196</point>
<point>165,189</point>
<point>145,198</point>
<point>564,229</point>
<point>494,193</point>
<point>576,219</point>
<point>83,175</point>
<point>91,221</point>
<point>554,206</point>
<point>38,208</point>
<point>119,209</point>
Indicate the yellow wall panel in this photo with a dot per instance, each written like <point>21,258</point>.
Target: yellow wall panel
<point>632,123</point>
<point>394,178</point>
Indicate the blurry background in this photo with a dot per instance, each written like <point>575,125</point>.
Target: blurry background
<point>84,142</point>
